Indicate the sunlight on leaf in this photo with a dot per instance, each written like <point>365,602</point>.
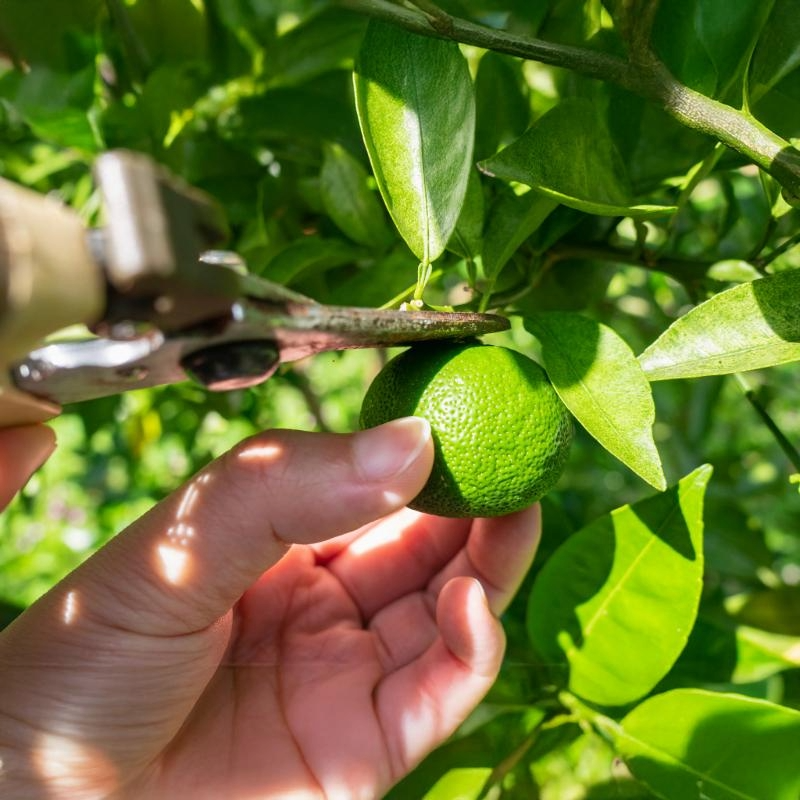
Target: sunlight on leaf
<point>416,107</point>
<point>612,609</point>
<point>691,743</point>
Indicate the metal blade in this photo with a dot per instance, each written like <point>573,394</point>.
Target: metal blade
<point>68,372</point>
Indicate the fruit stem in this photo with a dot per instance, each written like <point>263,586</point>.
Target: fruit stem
<point>789,450</point>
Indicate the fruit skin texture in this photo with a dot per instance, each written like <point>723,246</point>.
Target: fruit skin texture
<point>500,431</point>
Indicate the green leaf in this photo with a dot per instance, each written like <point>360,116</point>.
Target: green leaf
<point>690,743</point>
<point>377,283</point>
<point>597,376</point>
<point>657,147</point>
<point>512,219</point>
<point>501,108</point>
<point>777,53</point>
<point>706,43</point>
<point>615,603</point>
<point>307,255</point>
<point>760,654</point>
<point>167,31</point>
<point>55,105</point>
<point>487,738</point>
<point>460,784</point>
<point>467,238</point>
<point>751,326</point>
<point>569,155</point>
<point>327,41</point>
<point>295,115</point>
<point>46,31</point>
<point>416,107</point>
<point>348,200</point>
<point>575,22</point>
<point>776,609</point>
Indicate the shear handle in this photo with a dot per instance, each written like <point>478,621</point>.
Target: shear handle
<point>48,280</point>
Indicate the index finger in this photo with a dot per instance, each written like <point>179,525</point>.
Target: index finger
<point>22,451</point>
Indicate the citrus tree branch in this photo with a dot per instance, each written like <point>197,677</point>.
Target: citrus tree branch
<point>587,62</point>
<point>684,270</point>
<point>643,74</point>
<point>789,450</point>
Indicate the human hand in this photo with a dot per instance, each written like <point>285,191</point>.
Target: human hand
<point>198,655</point>
<point>22,451</point>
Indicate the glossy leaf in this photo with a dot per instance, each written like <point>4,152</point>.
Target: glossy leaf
<point>750,326</point>
<point>467,238</point>
<point>460,784</point>
<point>690,743</point>
<point>310,254</point>
<point>416,107</point>
<point>778,51</point>
<point>597,376</point>
<point>569,156</point>
<point>512,219</point>
<point>706,43</point>
<point>377,282</point>
<point>614,605</point>
<point>655,145</point>
<point>348,199</point>
<point>502,110</point>
<point>760,654</point>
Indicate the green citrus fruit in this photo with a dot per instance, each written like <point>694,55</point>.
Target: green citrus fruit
<point>500,431</point>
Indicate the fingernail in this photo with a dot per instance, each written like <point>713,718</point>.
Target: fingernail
<point>390,448</point>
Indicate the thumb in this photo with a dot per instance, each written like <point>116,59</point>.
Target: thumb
<point>22,451</point>
<point>184,564</point>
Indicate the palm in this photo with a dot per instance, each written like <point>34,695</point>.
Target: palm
<point>337,677</point>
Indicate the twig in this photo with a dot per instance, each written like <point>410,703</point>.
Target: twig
<point>685,270</point>
<point>438,17</point>
<point>789,244</point>
<point>789,450</point>
<point>587,62</point>
<point>635,21</point>
<point>303,385</point>
<point>649,78</point>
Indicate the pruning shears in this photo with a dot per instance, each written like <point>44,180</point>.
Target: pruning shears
<point>159,304</point>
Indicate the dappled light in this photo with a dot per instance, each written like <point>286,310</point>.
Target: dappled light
<point>74,766</point>
<point>173,563</point>
<point>382,535</point>
<point>174,558</point>
<point>70,607</point>
<point>262,453</point>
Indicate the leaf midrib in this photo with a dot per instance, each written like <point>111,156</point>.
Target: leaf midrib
<point>630,454</point>
<point>426,225</point>
<point>691,770</point>
<point>619,584</point>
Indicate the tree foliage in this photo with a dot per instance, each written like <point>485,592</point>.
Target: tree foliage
<point>621,178</point>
